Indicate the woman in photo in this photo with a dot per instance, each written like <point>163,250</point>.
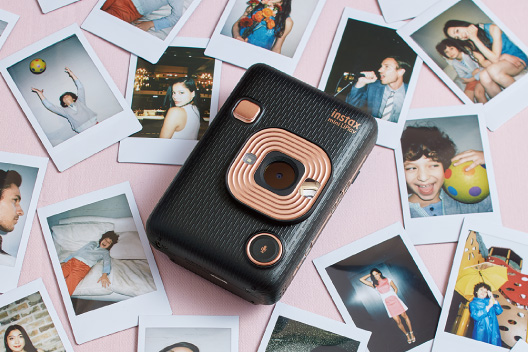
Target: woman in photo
<point>16,339</point>
<point>72,106</point>
<point>507,60</point>
<point>484,310</point>
<point>388,290</point>
<point>181,347</point>
<point>182,120</point>
<point>265,23</point>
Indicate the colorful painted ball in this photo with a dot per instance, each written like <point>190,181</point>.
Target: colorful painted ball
<point>467,186</point>
<point>37,66</point>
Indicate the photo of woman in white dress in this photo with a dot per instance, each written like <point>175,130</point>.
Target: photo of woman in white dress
<point>182,120</point>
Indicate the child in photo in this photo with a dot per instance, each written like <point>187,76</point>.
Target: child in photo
<point>427,153</point>
<point>468,64</point>
<point>484,309</point>
<point>76,266</point>
<point>265,23</point>
<point>132,10</point>
<point>506,59</point>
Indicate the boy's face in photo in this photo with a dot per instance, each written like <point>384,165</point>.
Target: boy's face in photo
<point>425,178</point>
<point>10,209</point>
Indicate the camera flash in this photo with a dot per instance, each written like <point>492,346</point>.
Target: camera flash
<point>250,158</point>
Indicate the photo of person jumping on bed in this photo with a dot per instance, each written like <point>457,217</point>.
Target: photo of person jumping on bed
<point>76,266</point>
<point>132,10</point>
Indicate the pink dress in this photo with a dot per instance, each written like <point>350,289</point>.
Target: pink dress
<point>392,302</point>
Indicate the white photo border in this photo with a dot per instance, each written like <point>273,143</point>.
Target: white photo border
<point>92,140</point>
<point>445,340</point>
<point>29,289</point>
<point>10,275</point>
<point>244,55</point>
<point>188,321</point>
<point>445,228</point>
<point>50,5</point>
<point>130,38</point>
<point>388,132</point>
<point>11,20</point>
<point>317,321</point>
<point>403,9</point>
<point>159,150</point>
<point>120,315</point>
<point>502,107</point>
<point>372,240</point>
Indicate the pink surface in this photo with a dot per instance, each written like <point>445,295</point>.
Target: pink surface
<point>371,203</point>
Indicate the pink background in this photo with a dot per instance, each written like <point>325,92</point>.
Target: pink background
<point>372,203</point>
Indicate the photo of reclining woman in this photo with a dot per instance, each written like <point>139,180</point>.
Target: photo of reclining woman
<point>100,254</point>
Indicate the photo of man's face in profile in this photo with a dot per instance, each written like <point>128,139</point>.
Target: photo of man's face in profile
<point>10,198</point>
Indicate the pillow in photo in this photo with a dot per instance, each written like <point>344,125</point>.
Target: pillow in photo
<point>72,237</point>
<point>128,246</point>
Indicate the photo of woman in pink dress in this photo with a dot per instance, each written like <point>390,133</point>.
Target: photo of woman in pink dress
<point>388,290</point>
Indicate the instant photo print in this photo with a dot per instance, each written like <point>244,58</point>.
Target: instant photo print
<point>194,332</point>
<point>380,284</point>
<point>458,40</point>
<point>104,266</point>
<point>380,80</point>
<point>28,312</point>
<point>293,329</point>
<point>68,97</point>
<point>255,31</point>
<point>276,160</point>
<point>486,297</point>
<point>445,173</point>
<point>21,178</point>
<point>50,5</point>
<point>146,30</point>
<point>7,22</point>
<point>165,139</point>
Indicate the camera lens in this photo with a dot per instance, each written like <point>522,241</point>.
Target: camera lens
<point>279,175</point>
<point>264,249</point>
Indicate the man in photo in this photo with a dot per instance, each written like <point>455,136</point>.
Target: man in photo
<point>76,266</point>
<point>382,98</point>
<point>132,10</point>
<point>427,153</point>
<point>10,198</point>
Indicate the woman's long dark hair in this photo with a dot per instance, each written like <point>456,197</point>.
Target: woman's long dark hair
<point>481,34</point>
<point>280,17</point>
<point>373,279</point>
<point>29,345</point>
<point>188,345</point>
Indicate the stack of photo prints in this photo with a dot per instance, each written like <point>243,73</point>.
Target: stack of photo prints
<point>103,263</point>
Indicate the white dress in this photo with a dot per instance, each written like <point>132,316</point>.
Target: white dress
<point>192,127</point>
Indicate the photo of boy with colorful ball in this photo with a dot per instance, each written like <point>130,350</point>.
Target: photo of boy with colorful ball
<point>440,179</point>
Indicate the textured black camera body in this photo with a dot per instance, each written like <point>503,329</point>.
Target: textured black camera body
<point>231,214</point>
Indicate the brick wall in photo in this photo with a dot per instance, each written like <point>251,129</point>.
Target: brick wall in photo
<point>31,313</point>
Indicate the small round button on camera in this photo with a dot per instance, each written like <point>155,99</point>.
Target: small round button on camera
<point>264,249</point>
